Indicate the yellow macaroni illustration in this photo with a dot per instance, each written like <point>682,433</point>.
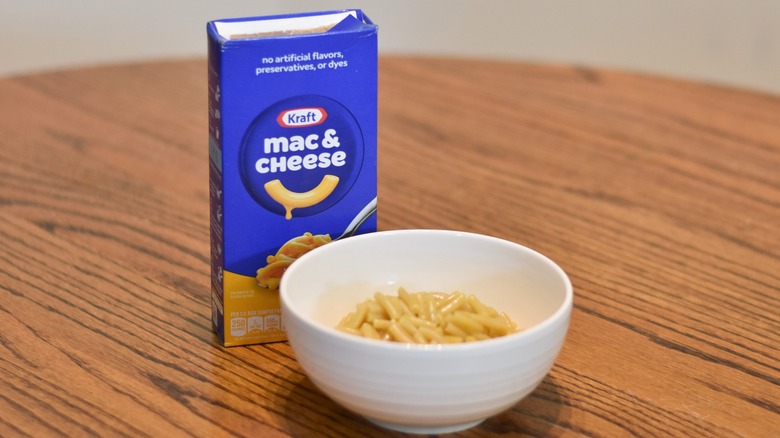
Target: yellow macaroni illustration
<point>270,275</point>
<point>291,200</point>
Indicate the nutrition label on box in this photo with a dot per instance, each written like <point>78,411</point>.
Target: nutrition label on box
<point>241,325</point>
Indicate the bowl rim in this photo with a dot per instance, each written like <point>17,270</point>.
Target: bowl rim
<point>564,308</point>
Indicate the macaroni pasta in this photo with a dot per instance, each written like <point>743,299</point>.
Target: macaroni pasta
<point>426,318</point>
<point>270,275</point>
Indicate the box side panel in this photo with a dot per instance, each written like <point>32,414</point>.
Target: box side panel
<point>215,187</point>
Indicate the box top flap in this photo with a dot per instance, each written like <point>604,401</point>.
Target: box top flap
<point>289,25</point>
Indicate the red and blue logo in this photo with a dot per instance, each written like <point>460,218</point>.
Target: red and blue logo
<point>298,143</point>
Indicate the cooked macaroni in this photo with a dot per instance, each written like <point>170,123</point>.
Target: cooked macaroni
<point>270,275</point>
<point>426,318</point>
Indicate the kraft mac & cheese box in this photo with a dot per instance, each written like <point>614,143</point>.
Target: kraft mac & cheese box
<point>292,153</point>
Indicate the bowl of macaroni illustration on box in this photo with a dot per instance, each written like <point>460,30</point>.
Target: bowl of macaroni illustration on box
<point>426,331</point>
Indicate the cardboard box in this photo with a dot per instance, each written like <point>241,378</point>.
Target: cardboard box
<point>292,154</point>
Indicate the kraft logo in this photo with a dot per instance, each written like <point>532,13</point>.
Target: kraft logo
<point>300,117</point>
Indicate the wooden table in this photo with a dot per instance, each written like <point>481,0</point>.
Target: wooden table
<point>659,197</point>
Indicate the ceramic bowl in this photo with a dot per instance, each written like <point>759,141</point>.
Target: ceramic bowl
<point>425,388</point>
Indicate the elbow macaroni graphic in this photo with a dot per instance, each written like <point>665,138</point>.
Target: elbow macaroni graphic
<point>291,200</point>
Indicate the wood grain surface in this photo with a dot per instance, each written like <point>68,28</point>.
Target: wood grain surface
<point>660,198</point>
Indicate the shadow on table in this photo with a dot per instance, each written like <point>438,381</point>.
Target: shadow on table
<point>308,411</point>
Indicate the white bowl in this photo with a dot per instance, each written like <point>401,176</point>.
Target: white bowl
<point>425,388</point>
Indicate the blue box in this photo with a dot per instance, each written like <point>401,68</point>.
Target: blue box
<point>292,154</point>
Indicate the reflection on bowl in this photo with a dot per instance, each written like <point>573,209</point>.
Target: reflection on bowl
<point>425,388</point>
